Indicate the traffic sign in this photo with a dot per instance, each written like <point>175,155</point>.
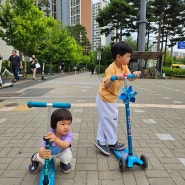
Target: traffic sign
<point>181,45</point>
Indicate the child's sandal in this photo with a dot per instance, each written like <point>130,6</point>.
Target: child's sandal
<point>33,167</point>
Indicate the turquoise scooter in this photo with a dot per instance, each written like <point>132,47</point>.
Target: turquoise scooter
<point>48,172</point>
<point>127,159</point>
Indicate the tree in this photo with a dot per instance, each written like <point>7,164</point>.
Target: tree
<point>43,5</point>
<point>112,18</point>
<point>170,18</point>
<point>23,25</point>
<point>80,34</point>
<point>60,46</point>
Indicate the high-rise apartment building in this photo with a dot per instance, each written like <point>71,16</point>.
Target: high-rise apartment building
<point>80,12</point>
<point>72,12</point>
<point>98,39</point>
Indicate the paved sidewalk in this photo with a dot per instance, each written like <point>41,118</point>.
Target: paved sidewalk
<point>158,130</point>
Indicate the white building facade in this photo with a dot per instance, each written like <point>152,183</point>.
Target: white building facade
<point>98,39</point>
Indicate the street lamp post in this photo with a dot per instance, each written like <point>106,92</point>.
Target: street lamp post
<point>99,58</point>
<point>142,29</point>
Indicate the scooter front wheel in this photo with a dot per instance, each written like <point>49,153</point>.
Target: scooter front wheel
<point>122,164</point>
<point>145,161</point>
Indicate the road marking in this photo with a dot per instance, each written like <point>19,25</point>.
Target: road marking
<point>139,110</point>
<point>73,105</point>
<point>182,160</point>
<point>177,102</point>
<point>149,121</point>
<point>2,120</point>
<point>166,98</point>
<point>21,108</point>
<point>165,137</point>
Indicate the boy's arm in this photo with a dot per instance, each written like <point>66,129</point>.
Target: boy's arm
<point>109,82</point>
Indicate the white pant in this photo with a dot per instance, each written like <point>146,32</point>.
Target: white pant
<point>65,156</point>
<point>108,121</point>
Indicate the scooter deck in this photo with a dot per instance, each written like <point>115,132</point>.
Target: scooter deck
<point>121,153</point>
<point>130,160</point>
<point>51,174</point>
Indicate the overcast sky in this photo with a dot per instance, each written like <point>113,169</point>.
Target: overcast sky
<point>95,1</point>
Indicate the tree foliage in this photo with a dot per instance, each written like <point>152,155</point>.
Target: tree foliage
<point>23,25</point>
<point>169,18</point>
<point>116,17</point>
<point>80,34</point>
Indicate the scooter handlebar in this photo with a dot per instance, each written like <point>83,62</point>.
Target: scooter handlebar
<point>61,105</point>
<point>113,78</point>
<point>45,104</point>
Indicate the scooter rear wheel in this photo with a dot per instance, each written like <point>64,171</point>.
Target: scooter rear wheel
<point>122,164</point>
<point>145,161</point>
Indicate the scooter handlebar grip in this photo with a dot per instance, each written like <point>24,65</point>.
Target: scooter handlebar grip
<point>113,78</point>
<point>61,105</point>
<point>36,104</point>
<point>130,76</point>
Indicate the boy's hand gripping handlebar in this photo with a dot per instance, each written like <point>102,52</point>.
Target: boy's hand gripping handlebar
<point>113,78</point>
<point>45,104</point>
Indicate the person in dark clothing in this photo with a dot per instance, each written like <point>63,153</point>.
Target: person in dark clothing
<point>92,69</point>
<point>16,64</point>
<point>61,67</point>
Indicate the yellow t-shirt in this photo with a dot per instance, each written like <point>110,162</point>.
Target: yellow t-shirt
<point>111,94</point>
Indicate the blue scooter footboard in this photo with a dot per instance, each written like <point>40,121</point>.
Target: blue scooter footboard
<point>121,154</point>
<point>130,160</point>
<point>51,174</point>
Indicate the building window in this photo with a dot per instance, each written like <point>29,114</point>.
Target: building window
<point>54,9</point>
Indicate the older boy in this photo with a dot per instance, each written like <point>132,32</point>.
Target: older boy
<point>106,98</point>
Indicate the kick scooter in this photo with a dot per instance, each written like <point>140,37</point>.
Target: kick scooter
<point>2,83</point>
<point>126,157</point>
<point>43,77</point>
<point>47,175</point>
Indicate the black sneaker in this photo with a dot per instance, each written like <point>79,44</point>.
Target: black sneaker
<point>102,148</point>
<point>66,168</point>
<point>117,146</point>
<point>33,167</point>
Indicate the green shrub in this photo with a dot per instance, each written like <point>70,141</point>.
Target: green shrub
<point>172,72</point>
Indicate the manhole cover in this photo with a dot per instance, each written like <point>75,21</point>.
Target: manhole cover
<point>11,105</point>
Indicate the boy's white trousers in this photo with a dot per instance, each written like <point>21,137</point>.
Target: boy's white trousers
<point>108,121</point>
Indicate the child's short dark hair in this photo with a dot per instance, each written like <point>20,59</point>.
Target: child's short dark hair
<point>120,48</point>
<point>60,115</point>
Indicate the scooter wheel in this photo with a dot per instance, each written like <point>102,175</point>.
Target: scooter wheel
<point>122,164</point>
<point>145,161</point>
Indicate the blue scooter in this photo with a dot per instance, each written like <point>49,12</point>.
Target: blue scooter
<point>126,157</point>
<point>47,175</point>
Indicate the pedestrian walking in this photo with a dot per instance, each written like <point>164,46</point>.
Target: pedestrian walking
<point>16,63</point>
<point>33,62</point>
<point>61,67</point>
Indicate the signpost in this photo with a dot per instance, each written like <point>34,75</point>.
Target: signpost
<point>181,45</point>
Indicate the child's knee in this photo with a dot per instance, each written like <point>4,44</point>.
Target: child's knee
<point>65,156</point>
